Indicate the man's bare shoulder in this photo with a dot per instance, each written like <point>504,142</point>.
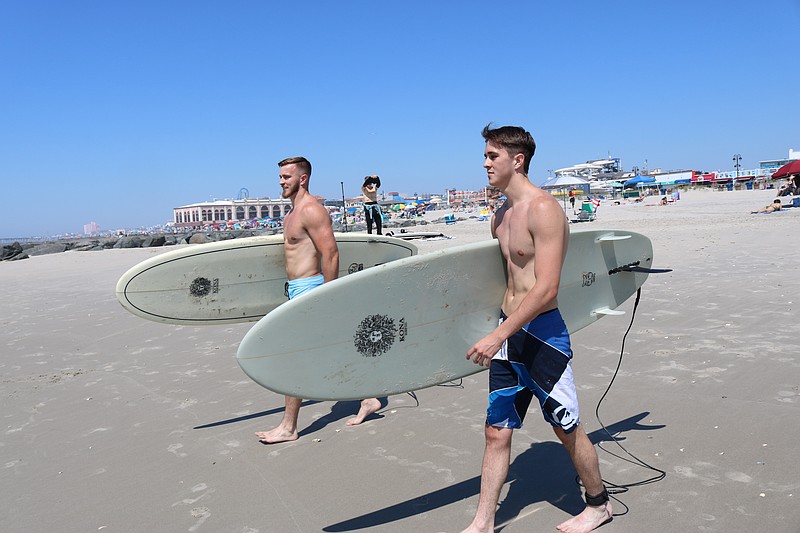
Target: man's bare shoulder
<point>540,201</point>
<point>544,211</point>
<point>311,211</point>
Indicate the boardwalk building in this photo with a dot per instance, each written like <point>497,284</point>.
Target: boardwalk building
<point>221,212</point>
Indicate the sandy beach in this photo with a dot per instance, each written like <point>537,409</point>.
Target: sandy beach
<point>114,423</point>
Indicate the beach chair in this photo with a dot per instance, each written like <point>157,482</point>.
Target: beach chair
<point>587,212</point>
<point>449,219</point>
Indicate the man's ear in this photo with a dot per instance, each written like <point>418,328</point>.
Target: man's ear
<point>519,160</point>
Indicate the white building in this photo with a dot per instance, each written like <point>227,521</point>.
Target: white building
<point>224,211</point>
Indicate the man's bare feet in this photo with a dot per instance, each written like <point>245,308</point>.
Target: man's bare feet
<point>590,519</point>
<point>276,435</point>
<point>368,406</point>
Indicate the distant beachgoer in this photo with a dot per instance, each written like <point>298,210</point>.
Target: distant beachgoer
<point>572,199</point>
<point>372,210</point>
<point>791,187</point>
<point>786,189</point>
<point>312,258</point>
<point>774,206</point>
<point>528,353</point>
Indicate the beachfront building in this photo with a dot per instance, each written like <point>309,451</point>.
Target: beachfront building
<point>225,212</point>
<point>463,198</point>
<point>594,170</point>
<point>775,164</point>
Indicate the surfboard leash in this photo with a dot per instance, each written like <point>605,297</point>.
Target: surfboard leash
<point>636,267</point>
<point>633,459</point>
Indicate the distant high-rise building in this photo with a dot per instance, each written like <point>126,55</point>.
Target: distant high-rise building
<point>91,228</point>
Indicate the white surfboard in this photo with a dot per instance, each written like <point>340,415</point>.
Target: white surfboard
<point>238,280</point>
<point>408,325</point>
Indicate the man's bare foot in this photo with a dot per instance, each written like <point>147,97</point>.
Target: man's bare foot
<point>276,435</point>
<point>368,406</point>
<point>590,519</point>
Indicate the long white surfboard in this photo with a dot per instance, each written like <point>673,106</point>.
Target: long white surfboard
<point>408,325</point>
<point>238,280</point>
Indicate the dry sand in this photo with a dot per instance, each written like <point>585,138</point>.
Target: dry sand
<point>113,423</point>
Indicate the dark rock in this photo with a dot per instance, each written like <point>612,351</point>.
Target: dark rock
<point>199,238</point>
<point>153,241</point>
<point>10,250</point>
<point>48,248</point>
<point>129,242</point>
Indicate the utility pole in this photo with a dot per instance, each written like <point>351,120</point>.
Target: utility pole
<point>344,208</point>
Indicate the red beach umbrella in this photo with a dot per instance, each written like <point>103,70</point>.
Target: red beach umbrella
<point>792,167</point>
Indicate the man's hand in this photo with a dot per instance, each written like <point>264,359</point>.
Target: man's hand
<point>485,349</point>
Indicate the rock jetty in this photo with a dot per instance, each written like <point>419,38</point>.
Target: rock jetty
<point>17,251</point>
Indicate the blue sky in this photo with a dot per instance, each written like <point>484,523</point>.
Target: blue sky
<point>116,112</point>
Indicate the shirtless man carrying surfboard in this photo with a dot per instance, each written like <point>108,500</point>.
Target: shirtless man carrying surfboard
<point>312,258</point>
<point>529,353</point>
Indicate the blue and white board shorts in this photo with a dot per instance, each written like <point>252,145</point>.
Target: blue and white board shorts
<point>537,360</point>
<point>299,286</point>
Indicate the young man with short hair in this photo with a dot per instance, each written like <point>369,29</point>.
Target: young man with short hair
<point>529,353</point>
<point>312,258</point>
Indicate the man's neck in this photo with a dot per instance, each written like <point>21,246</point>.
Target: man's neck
<point>299,196</point>
<point>519,186</point>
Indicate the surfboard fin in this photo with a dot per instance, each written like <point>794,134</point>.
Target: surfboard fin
<point>607,311</point>
<point>612,237</point>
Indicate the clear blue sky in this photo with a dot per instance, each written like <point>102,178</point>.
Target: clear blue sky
<point>116,112</point>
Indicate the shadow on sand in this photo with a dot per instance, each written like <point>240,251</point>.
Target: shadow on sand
<point>549,460</point>
<point>339,410</point>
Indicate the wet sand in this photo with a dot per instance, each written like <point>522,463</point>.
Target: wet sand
<point>113,423</point>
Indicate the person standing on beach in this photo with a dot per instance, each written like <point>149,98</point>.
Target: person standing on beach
<point>312,258</point>
<point>372,211</point>
<point>529,353</point>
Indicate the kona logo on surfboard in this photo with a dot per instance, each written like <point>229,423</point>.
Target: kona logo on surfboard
<point>376,334</point>
<point>203,287</point>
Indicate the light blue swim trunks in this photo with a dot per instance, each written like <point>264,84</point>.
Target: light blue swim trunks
<point>299,286</point>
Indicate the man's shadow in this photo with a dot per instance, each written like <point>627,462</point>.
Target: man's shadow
<point>543,461</point>
<point>339,410</point>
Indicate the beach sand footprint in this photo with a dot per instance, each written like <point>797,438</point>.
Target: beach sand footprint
<point>174,448</point>
<point>787,396</point>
